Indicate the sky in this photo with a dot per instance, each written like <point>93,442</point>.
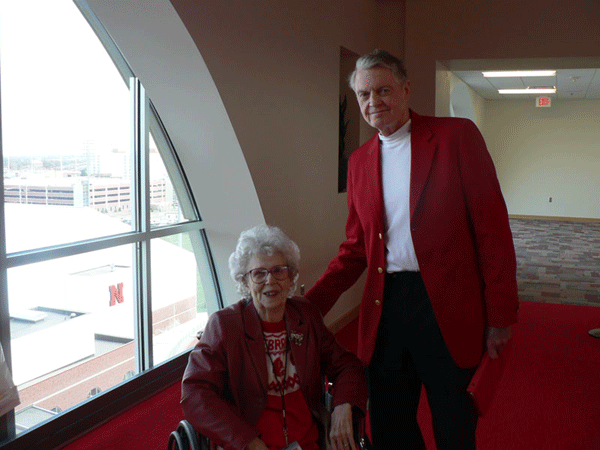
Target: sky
<point>59,88</point>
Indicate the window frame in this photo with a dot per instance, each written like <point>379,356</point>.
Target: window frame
<point>150,378</point>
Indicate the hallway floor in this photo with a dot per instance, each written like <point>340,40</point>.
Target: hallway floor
<point>558,261</point>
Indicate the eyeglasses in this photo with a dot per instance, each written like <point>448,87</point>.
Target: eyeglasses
<point>280,273</point>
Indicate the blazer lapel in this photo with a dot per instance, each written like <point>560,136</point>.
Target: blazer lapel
<point>255,342</point>
<point>372,171</point>
<point>423,149</point>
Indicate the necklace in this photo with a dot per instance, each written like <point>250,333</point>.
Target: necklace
<point>280,384</point>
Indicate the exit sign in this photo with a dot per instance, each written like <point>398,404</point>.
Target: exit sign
<point>543,102</point>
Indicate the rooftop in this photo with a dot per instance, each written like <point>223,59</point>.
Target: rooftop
<point>32,320</point>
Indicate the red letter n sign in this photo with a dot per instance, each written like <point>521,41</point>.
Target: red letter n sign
<point>116,294</point>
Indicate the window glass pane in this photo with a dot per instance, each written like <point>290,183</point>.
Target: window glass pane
<point>159,140</point>
<point>65,123</point>
<point>34,226</point>
<point>164,202</point>
<point>72,330</point>
<point>67,134</point>
<point>180,307</point>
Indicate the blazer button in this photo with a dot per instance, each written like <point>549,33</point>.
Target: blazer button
<point>380,269</point>
<point>380,236</point>
<point>378,302</point>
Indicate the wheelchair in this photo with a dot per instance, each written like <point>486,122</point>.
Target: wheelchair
<point>186,438</point>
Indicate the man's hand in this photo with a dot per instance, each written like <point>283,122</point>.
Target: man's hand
<point>497,338</point>
<point>342,437</point>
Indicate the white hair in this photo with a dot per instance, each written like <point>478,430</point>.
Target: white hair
<point>379,58</point>
<point>262,240</point>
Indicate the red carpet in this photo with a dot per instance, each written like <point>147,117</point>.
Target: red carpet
<point>548,399</point>
<point>146,426</point>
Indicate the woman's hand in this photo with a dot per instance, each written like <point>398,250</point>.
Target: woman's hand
<point>341,435</point>
<point>257,444</point>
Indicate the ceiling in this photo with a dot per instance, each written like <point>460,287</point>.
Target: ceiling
<point>575,79</point>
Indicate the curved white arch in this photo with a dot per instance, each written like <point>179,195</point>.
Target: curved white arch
<point>160,51</point>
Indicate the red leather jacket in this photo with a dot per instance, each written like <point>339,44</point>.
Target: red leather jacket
<point>225,383</point>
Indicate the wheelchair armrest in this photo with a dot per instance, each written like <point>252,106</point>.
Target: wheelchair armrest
<point>186,438</point>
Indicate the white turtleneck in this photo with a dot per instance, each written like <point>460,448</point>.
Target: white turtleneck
<point>395,177</point>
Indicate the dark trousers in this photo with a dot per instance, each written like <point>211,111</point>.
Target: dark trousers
<point>410,352</point>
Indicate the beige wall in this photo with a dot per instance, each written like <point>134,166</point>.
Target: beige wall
<point>538,154</point>
<point>546,152</point>
<point>276,66</point>
<point>438,30</point>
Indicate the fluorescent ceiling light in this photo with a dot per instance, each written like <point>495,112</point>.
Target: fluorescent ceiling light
<point>520,73</point>
<point>528,91</point>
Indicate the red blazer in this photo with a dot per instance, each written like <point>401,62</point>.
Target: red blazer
<point>224,388</point>
<point>460,230</point>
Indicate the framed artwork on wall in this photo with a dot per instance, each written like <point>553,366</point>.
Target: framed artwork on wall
<point>349,120</point>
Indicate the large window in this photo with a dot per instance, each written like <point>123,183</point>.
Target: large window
<point>106,271</point>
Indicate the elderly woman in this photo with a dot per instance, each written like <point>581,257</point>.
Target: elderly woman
<point>255,378</point>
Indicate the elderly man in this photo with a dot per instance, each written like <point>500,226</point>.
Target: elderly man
<point>428,221</point>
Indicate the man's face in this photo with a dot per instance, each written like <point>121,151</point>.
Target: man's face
<point>382,100</point>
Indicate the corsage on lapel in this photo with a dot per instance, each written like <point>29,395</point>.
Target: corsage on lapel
<point>296,337</point>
